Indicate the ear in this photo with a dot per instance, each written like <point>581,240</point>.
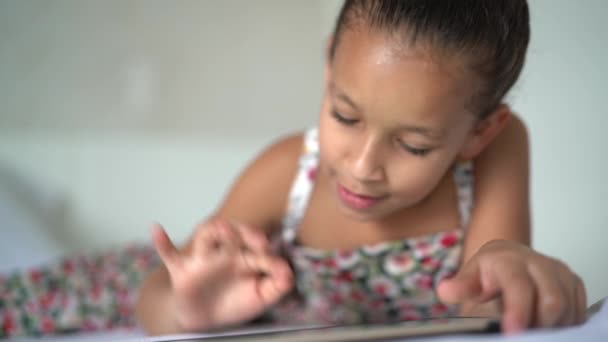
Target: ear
<point>485,131</point>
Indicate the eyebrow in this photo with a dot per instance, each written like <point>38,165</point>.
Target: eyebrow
<point>429,133</point>
<point>342,96</point>
<point>432,134</point>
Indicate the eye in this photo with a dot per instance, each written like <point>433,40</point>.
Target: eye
<point>419,152</point>
<point>343,120</point>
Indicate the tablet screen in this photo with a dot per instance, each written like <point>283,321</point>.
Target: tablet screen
<point>360,332</point>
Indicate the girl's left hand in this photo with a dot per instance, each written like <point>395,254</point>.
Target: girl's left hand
<point>533,290</point>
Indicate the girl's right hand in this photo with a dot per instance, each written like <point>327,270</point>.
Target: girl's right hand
<point>226,275</point>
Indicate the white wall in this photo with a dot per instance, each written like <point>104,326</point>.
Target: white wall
<point>145,110</point>
<point>562,98</point>
<point>135,111</point>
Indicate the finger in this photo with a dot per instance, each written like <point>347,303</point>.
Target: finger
<point>257,263</point>
<point>568,282</point>
<point>253,239</point>
<point>581,301</point>
<point>552,299</point>
<point>164,247</point>
<point>206,240</point>
<point>231,239</point>
<point>277,282</point>
<point>518,296</point>
<point>218,239</point>
<point>464,286</point>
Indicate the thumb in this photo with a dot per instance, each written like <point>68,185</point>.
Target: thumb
<point>465,285</point>
<point>164,247</point>
<point>276,281</point>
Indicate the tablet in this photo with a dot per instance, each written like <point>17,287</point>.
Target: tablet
<point>360,332</point>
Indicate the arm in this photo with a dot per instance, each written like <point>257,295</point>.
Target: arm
<point>501,210</point>
<point>500,275</point>
<point>258,198</point>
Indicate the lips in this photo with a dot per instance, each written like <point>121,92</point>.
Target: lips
<point>358,201</point>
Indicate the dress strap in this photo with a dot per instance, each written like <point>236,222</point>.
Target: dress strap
<point>464,179</point>
<point>302,186</point>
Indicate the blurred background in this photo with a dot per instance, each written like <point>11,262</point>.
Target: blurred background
<point>115,114</point>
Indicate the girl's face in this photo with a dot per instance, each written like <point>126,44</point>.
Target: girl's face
<point>392,122</point>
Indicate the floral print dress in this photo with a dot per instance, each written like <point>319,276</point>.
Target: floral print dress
<point>94,291</point>
<point>384,282</point>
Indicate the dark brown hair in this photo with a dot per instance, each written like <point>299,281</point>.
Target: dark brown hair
<point>492,35</point>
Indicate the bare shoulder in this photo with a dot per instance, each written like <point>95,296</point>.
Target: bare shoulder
<point>511,143</point>
<point>282,151</point>
<point>259,195</point>
<point>515,132</point>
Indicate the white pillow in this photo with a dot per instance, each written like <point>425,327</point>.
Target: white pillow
<point>25,235</point>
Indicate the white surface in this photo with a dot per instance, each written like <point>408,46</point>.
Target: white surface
<point>595,330</point>
<point>216,71</point>
<point>118,336</point>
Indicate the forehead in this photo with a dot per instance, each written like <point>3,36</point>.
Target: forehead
<point>384,76</point>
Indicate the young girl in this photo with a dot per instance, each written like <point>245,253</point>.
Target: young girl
<point>409,199</point>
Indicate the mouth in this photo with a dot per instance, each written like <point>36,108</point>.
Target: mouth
<point>358,201</point>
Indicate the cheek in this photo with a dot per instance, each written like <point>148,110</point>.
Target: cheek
<point>334,142</point>
<point>330,144</point>
<point>419,177</point>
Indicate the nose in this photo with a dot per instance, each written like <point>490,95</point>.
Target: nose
<point>366,164</point>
